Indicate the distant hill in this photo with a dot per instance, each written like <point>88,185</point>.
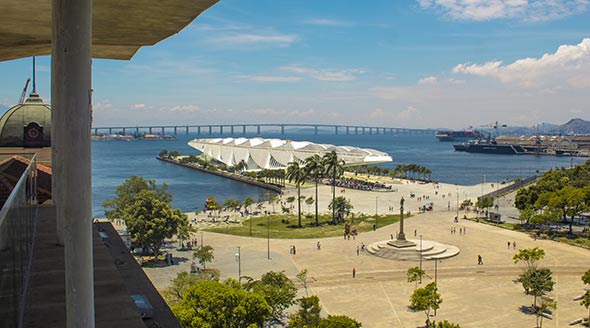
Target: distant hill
<point>574,126</point>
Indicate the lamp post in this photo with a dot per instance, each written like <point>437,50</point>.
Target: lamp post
<point>376,210</point>
<point>268,236</point>
<point>435,278</point>
<point>239,260</point>
<point>457,202</point>
<point>201,238</point>
<point>420,257</point>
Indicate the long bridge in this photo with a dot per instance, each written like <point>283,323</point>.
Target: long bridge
<point>237,129</point>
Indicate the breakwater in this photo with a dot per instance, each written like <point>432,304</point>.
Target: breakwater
<point>267,186</point>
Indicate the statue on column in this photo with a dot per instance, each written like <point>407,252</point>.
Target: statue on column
<point>401,241</point>
<point>401,235</point>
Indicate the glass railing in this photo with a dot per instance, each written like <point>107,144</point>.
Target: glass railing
<point>18,218</point>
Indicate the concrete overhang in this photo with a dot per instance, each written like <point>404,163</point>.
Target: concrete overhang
<point>120,27</point>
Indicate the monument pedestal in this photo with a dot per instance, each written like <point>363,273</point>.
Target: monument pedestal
<point>401,243</point>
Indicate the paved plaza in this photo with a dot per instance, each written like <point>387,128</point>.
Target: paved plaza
<point>473,295</point>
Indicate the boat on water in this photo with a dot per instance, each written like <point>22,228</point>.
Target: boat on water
<point>464,135</point>
<point>489,147</point>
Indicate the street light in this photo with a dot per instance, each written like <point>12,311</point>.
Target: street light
<point>420,257</point>
<point>268,235</point>
<point>376,212</point>
<point>457,203</point>
<point>239,260</point>
<point>435,277</point>
<point>201,238</point>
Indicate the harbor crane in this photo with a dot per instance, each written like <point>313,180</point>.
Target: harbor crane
<point>24,94</point>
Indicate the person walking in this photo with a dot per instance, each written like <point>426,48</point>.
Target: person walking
<point>294,250</point>
<point>358,250</point>
<point>479,260</point>
<point>353,272</point>
<point>514,244</point>
<point>508,244</point>
<point>318,246</point>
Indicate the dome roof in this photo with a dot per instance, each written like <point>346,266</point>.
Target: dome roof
<point>27,124</point>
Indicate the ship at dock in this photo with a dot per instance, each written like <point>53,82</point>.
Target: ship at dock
<point>464,135</point>
<point>490,147</point>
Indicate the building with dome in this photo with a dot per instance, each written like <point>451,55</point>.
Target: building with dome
<point>259,153</point>
<point>27,124</point>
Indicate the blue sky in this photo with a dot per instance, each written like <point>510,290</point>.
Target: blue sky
<point>424,63</point>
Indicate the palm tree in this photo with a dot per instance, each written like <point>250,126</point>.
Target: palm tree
<point>334,168</point>
<point>314,167</point>
<point>296,174</point>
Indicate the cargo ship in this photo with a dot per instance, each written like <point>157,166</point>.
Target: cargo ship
<point>464,135</point>
<point>490,147</point>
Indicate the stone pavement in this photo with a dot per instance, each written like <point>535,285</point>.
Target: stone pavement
<point>473,295</point>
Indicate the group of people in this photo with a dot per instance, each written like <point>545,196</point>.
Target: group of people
<point>360,184</point>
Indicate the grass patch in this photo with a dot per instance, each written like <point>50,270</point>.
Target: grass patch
<point>285,226</point>
<point>576,241</point>
<point>579,241</point>
<point>505,225</point>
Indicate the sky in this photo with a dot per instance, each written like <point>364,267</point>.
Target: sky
<point>402,63</point>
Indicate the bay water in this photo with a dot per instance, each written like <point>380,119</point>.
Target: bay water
<point>115,161</point>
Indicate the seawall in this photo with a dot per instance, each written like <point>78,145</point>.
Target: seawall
<point>225,175</point>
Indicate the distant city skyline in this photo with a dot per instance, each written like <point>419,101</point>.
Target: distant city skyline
<point>420,64</point>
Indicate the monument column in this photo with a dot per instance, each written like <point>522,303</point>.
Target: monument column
<point>400,241</point>
<point>401,235</point>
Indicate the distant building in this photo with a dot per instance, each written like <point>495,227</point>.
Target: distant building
<point>261,153</point>
<point>27,125</point>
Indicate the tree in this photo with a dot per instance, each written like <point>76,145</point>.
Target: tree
<point>150,220</point>
<point>126,193</point>
<point>415,274</point>
<point>546,304</point>
<point>173,154</point>
<point>231,204</point>
<point>184,231</point>
<point>175,292</point>
<point>204,254</point>
<point>277,289</point>
<point>334,168</point>
<point>296,174</point>
<point>537,282</point>
<point>586,300</point>
<point>247,203</point>
<point>340,205</point>
<point>426,299</point>
<point>314,167</point>
<point>211,304</point>
<point>163,153</point>
<point>530,256</point>
<point>339,321</point>
<point>272,200</point>
<point>485,202</point>
<point>302,276</point>
<point>308,314</point>
<point>309,201</point>
<point>444,324</point>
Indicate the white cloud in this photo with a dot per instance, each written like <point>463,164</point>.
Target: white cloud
<point>324,74</point>
<point>102,105</point>
<point>325,22</point>
<point>182,108</point>
<point>428,80</point>
<point>527,10</point>
<point>271,79</point>
<point>138,106</point>
<point>569,65</point>
<point>407,114</point>
<point>254,39</point>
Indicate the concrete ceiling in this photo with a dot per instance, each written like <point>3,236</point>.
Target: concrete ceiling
<point>120,27</point>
